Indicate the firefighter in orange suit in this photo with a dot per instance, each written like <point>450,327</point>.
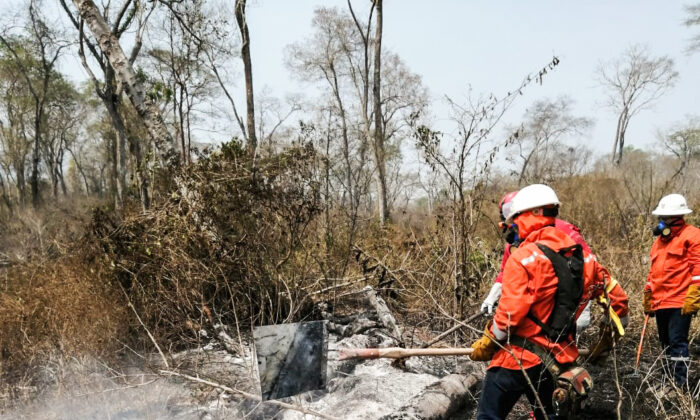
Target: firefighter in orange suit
<point>672,292</point>
<point>527,302</point>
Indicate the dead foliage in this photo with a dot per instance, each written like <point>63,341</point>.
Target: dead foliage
<point>62,307</point>
<point>223,247</point>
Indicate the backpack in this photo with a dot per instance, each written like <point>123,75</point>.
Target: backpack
<point>568,267</point>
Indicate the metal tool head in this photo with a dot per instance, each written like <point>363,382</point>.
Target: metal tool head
<point>292,358</point>
<point>633,375</point>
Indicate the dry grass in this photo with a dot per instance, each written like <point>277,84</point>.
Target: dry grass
<point>58,305</point>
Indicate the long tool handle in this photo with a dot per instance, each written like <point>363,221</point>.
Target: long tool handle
<point>400,353</point>
<point>641,342</point>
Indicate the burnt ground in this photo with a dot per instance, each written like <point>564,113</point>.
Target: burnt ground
<point>356,389</point>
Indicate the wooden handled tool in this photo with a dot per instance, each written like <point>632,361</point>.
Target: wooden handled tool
<point>400,353</point>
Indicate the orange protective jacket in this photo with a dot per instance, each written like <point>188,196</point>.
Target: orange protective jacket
<point>529,285</point>
<point>675,265</point>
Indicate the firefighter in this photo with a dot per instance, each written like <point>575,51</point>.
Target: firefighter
<point>531,280</point>
<point>570,229</point>
<point>672,291</point>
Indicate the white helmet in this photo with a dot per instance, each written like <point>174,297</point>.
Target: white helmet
<point>532,197</point>
<point>672,205</point>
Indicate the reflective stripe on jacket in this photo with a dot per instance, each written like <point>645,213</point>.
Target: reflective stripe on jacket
<point>675,265</point>
<point>529,285</point>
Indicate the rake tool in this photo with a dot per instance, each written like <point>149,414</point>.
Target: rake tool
<point>636,374</point>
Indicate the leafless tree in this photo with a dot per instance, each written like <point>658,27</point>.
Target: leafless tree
<point>209,33</point>
<point>634,82</point>
<point>684,144</point>
<point>693,20</point>
<point>465,160</point>
<point>272,118</point>
<point>379,148</point>
<point>179,65</point>
<point>323,58</point>
<point>539,149</point>
<point>248,71</point>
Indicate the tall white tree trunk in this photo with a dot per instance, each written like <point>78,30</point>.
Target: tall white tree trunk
<point>109,45</point>
<point>379,149</point>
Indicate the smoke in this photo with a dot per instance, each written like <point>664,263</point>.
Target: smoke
<point>91,390</point>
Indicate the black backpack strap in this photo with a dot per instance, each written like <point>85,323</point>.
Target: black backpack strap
<point>545,328</point>
<point>568,270</point>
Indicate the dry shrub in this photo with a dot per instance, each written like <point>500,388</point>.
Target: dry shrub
<point>224,247</point>
<point>56,305</point>
<point>53,299</point>
<point>413,263</point>
<point>48,232</point>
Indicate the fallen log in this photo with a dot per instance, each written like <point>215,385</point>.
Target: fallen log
<point>357,327</point>
<point>440,400</point>
<point>400,353</point>
<point>383,313</point>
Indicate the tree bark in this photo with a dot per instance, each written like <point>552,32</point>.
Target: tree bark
<point>5,197</point>
<point>111,102</point>
<point>379,150</point>
<point>21,184</point>
<point>440,400</point>
<point>34,180</point>
<point>142,172</point>
<point>109,45</point>
<point>248,71</point>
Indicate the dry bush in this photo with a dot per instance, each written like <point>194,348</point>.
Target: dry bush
<point>413,264</point>
<point>55,306</point>
<point>223,247</point>
<point>51,297</point>
<point>49,232</point>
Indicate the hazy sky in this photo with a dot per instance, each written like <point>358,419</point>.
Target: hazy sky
<point>492,45</point>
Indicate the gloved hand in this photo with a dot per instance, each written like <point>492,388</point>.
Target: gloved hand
<point>485,347</point>
<point>646,302</point>
<point>492,299</point>
<point>584,320</point>
<point>601,349</point>
<point>691,304</point>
